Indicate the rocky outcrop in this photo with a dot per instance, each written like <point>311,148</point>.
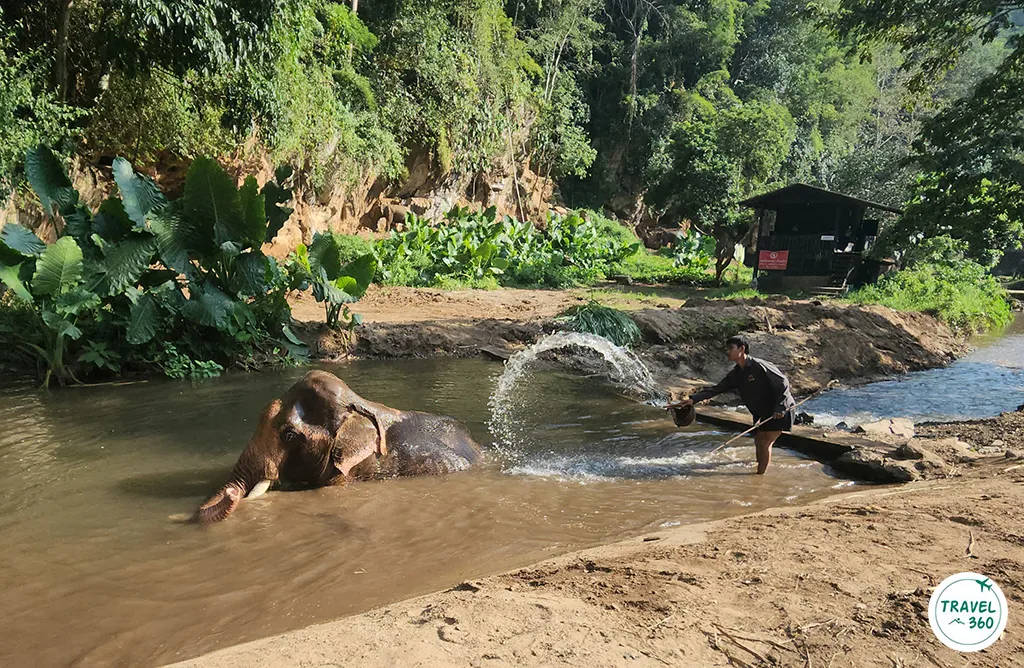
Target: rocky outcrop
<point>900,427</point>
<point>366,204</point>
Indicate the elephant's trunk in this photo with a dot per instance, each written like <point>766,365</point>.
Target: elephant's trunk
<point>242,485</point>
<point>221,504</point>
<point>253,473</point>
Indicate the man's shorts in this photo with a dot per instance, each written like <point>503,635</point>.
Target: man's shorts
<point>784,423</point>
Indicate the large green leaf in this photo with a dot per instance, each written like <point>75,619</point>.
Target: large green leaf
<point>294,345</point>
<point>138,193</point>
<point>334,292</point>
<point>112,222</point>
<point>176,236</point>
<point>254,216</point>
<point>10,257</point>
<point>325,253</point>
<point>362,270</point>
<point>209,307</point>
<point>274,196</point>
<point>349,286</point>
<point>60,325</point>
<point>251,274</point>
<point>211,201</point>
<point>143,320</point>
<point>49,181</point>
<point>155,277</point>
<point>229,250</point>
<point>124,262</point>
<point>9,275</point>
<point>75,301</point>
<point>59,268</point>
<point>21,240</point>
<point>78,224</point>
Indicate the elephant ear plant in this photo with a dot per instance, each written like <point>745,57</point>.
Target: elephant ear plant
<point>150,281</point>
<point>336,282</point>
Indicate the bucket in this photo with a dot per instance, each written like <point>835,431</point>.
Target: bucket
<point>684,416</point>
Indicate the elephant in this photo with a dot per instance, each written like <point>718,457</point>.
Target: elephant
<point>322,433</point>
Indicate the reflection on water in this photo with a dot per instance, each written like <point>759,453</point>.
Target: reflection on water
<point>92,481</point>
<point>986,382</point>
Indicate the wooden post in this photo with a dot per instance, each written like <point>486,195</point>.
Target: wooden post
<point>60,66</point>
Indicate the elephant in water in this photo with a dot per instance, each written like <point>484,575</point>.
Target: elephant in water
<point>322,433</point>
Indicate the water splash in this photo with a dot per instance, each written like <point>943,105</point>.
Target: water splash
<point>626,372</point>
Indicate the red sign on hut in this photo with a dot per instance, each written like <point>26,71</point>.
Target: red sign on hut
<point>773,260</point>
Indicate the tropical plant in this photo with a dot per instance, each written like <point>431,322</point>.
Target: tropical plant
<point>189,269</point>
<point>335,282</point>
<point>595,318</point>
<point>472,246</point>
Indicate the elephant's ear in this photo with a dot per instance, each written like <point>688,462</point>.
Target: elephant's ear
<point>356,441</point>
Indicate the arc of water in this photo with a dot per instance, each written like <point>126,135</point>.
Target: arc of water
<point>630,375</point>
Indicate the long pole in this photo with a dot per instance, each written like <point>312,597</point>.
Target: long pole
<point>761,422</point>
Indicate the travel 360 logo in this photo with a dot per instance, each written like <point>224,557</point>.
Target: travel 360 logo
<point>967,612</point>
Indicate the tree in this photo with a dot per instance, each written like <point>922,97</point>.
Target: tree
<point>971,154</point>
<point>713,159</point>
<point>932,34</point>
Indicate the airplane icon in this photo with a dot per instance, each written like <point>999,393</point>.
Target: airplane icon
<point>985,584</point>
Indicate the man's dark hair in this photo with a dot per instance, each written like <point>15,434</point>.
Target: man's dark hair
<point>738,341</point>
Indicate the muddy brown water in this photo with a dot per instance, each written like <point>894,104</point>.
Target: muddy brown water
<point>99,570</point>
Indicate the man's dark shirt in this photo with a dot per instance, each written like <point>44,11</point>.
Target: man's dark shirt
<point>763,389</point>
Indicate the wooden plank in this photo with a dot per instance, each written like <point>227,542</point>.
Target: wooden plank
<point>808,440</point>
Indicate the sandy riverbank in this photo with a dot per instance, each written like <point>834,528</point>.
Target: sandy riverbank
<point>814,341</point>
<point>842,582</point>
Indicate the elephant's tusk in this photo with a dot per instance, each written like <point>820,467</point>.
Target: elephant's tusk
<point>259,489</point>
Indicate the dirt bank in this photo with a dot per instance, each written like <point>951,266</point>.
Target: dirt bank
<point>843,582</point>
<point>813,341</point>
<point>994,434</point>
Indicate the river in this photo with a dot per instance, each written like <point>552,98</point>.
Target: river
<point>101,570</point>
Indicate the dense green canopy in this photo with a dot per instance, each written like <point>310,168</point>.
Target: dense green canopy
<point>662,110</point>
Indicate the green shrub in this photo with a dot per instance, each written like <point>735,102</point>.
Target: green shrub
<point>29,113</point>
<point>146,115</point>
<point>347,247</point>
<point>594,318</point>
<point>336,273</point>
<point>962,294</point>
<point>468,247</point>
<point>179,285</point>
<point>648,267</point>
<point>18,323</point>
<point>610,227</point>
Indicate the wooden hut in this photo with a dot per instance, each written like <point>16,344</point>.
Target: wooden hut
<point>814,239</point>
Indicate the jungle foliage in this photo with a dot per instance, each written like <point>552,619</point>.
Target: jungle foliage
<point>670,110</point>
<point>939,278</point>
<point>147,281</point>
<point>480,249</point>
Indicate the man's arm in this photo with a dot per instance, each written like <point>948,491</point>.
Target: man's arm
<point>726,384</point>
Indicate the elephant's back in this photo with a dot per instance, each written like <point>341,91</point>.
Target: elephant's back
<point>436,443</point>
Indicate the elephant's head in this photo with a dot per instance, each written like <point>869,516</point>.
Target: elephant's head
<point>309,437</point>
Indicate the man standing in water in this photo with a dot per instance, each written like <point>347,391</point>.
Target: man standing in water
<point>762,388</point>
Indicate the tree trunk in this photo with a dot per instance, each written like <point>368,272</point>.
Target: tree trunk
<point>632,78</point>
<point>351,46</point>
<point>721,264</point>
<point>60,68</point>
